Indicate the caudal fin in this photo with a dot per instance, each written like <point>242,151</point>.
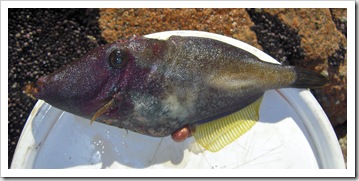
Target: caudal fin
<point>309,79</point>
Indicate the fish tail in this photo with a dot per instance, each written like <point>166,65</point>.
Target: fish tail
<point>308,79</point>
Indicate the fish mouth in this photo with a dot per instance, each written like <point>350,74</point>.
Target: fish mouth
<point>33,89</point>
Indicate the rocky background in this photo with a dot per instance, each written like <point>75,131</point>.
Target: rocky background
<point>42,40</point>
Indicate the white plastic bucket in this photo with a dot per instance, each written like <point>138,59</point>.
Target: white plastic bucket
<point>293,132</point>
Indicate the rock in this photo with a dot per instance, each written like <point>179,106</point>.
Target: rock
<point>340,19</point>
<point>343,145</point>
<point>118,23</point>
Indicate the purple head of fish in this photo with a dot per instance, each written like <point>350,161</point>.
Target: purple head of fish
<point>86,85</point>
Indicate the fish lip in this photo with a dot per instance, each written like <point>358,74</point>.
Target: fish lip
<point>35,89</point>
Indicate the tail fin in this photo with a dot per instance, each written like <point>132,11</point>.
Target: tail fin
<point>309,79</point>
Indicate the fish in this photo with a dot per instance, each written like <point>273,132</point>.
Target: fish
<point>167,87</point>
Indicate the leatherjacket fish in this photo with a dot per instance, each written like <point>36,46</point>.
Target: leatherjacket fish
<point>155,87</point>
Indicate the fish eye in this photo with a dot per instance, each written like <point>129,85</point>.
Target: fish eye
<point>117,58</point>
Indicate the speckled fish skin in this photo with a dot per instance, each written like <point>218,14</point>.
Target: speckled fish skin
<point>158,86</point>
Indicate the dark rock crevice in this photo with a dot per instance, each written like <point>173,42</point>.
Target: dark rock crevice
<point>277,39</point>
<point>340,23</point>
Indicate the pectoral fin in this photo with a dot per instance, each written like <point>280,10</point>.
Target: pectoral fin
<point>217,134</point>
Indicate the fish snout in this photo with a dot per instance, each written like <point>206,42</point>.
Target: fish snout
<point>33,89</point>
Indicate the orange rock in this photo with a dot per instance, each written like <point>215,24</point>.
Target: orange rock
<point>127,22</point>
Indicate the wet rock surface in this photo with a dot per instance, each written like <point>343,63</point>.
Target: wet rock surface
<point>42,40</point>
